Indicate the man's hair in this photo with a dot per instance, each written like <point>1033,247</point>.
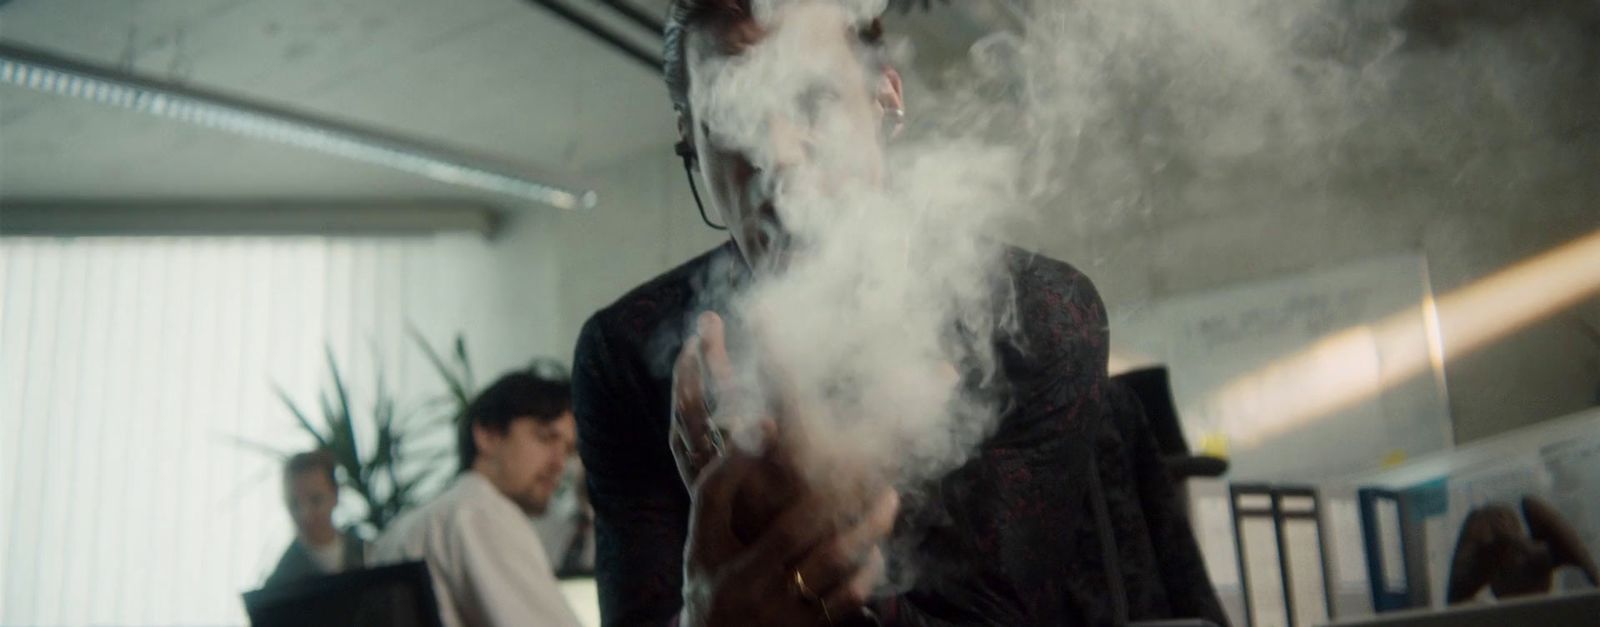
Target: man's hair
<point>320,460</point>
<point>522,394</point>
<point>685,15</point>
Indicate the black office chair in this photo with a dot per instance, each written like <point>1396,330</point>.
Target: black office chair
<point>1109,555</point>
<point>1141,436</point>
<point>1153,388</point>
<point>388,596</point>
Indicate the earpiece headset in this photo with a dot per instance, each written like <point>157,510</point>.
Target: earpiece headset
<point>686,152</point>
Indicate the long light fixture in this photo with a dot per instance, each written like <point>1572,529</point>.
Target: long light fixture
<point>53,74</point>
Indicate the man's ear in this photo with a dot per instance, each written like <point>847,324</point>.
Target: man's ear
<point>485,439</point>
<point>891,93</point>
<point>891,103</point>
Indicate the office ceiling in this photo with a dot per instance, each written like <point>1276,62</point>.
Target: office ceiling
<point>505,80</point>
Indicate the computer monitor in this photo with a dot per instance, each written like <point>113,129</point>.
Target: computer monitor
<point>400,595</point>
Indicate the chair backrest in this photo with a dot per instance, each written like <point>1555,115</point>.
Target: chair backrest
<point>1120,465</point>
<point>400,595</point>
<point>1153,387</point>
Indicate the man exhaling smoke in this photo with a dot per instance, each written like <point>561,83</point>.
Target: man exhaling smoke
<point>845,353</point>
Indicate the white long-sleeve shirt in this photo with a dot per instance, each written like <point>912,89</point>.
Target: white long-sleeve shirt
<point>486,560</point>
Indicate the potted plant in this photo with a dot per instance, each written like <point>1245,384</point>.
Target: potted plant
<point>405,450</point>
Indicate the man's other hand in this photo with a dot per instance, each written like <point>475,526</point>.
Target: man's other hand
<point>808,567</point>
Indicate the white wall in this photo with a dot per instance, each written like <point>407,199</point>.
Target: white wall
<point>526,272</point>
<point>1466,231</point>
<point>646,223</point>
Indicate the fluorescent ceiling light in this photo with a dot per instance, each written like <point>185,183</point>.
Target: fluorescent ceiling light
<point>55,75</point>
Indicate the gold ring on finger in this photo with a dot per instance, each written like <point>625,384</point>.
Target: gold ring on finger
<point>804,590</point>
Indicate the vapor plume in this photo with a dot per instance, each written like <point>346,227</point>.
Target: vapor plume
<point>1083,116</point>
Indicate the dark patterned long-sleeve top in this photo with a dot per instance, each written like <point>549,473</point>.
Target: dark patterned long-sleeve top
<point>998,541</point>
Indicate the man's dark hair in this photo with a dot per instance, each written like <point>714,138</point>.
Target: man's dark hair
<point>684,15</point>
<point>522,394</point>
<point>319,461</point>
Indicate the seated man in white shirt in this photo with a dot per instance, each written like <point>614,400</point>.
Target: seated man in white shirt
<point>487,562</point>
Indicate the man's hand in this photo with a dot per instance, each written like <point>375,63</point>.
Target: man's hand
<point>763,549</point>
<point>702,375</point>
<point>808,567</point>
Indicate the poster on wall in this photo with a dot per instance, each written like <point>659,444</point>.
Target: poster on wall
<point>1274,371</point>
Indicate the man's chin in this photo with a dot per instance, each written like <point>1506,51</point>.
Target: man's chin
<point>773,264</point>
<point>774,257</point>
<point>319,537</point>
<point>534,508</point>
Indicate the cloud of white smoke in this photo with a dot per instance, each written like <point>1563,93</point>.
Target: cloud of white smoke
<point>1096,112</point>
<point>890,263</point>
